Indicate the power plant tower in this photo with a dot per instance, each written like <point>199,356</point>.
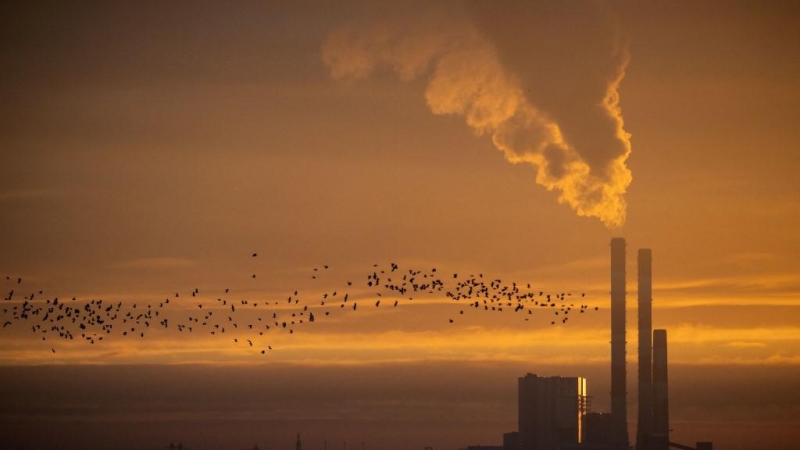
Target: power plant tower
<point>644,425</point>
<point>660,392</point>
<point>619,409</point>
<point>553,411</point>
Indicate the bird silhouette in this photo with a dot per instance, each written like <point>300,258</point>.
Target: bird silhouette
<point>93,320</point>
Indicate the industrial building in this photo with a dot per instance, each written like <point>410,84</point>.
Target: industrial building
<point>553,412</point>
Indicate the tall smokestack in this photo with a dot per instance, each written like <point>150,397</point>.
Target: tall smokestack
<point>619,410</point>
<point>660,391</point>
<point>644,425</point>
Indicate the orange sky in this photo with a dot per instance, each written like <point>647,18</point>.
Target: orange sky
<point>149,149</point>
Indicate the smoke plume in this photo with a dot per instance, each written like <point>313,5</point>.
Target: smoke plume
<point>542,82</point>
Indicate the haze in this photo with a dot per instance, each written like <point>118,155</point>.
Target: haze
<point>151,148</point>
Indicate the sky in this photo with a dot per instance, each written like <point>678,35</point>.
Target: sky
<point>150,149</point>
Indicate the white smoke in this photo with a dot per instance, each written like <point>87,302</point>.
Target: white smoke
<point>467,77</point>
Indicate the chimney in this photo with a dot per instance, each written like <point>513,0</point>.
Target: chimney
<point>660,391</point>
<point>644,425</point>
<point>619,410</point>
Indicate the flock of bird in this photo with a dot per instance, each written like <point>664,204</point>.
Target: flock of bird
<point>245,322</point>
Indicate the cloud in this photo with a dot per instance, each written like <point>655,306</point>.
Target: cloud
<point>569,129</point>
<point>694,334</point>
<point>546,345</point>
<point>746,344</point>
<point>155,263</point>
<point>774,359</point>
<point>753,289</point>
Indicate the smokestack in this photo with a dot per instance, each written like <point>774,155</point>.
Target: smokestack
<point>660,391</point>
<point>644,425</point>
<point>619,410</point>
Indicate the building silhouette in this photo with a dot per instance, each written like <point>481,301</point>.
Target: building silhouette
<point>511,440</point>
<point>597,431</point>
<point>551,411</point>
<point>554,413</point>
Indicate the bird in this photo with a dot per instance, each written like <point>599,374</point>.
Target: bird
<point>95,316</point>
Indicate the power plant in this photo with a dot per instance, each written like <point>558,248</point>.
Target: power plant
<point>652,426</point>
<point>554,411</point>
